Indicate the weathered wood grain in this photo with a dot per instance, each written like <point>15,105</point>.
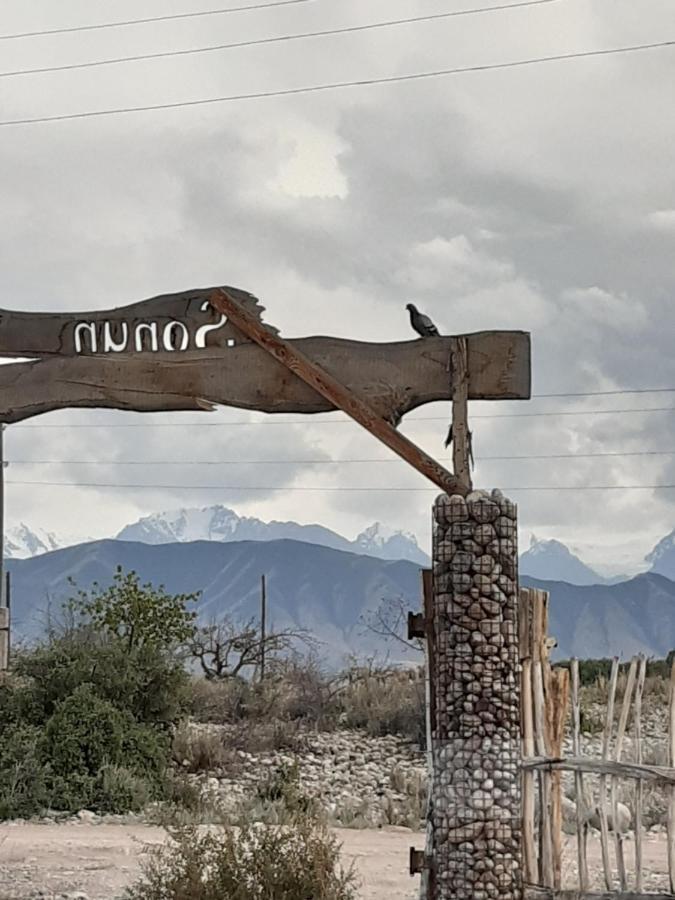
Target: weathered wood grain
<point>537,893</point>
<point>349,401</point>
<point>607,768</point>
<point>396,378</point>
<point>41,335</point>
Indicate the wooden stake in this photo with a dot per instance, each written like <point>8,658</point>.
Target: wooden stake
<point>606,744</point>
<point>547,867</point>
<point>557,702</point>
<point>639,787</point>
<point>529,847</point>
<point>671,805</point>
<point>334,391</point>
<point>461,451</point>
<point>582,813</point>
<point>621,733</point>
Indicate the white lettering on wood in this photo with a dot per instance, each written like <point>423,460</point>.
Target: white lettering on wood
<point>123,337</point>
<point>169,331</point>
<point>110,345</point>
<point>204,330</point>
<point>81,330</point>
<point>151,329</point>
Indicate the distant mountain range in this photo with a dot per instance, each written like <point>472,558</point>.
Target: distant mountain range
<point>331,593</point>
<point>550,560</point>
<point>326,591</point>
<point>553,561</point>
<point>223,525</point>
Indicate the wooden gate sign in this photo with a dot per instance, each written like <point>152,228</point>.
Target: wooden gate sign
<point>178,352</point>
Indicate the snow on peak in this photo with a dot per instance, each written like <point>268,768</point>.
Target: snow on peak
<point>23,542</point>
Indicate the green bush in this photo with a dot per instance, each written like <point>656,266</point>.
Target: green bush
<point>120,791</point>
<point>146,682</point>
<point>23,778</point>
<point>84,734</point>
<point>300,862</point>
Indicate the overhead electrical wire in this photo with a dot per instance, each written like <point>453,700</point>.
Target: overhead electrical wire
<point>72,29</point>
<point>285,38</point>
<point>347,421</point>
<point>321,462</point>
<point>331,489</point>
<point>339,85</point>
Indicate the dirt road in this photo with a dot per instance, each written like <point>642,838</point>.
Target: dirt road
<point>101,860</point>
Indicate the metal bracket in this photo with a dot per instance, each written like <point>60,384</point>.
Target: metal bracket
<point>416,626</point>
<point>418,862</point>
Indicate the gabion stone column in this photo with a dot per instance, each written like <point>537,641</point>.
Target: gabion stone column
<point>476,792</point>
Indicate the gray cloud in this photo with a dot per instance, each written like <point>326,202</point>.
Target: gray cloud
<point>541,199</point>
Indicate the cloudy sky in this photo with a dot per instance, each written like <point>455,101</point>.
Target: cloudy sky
<point>540,198</point>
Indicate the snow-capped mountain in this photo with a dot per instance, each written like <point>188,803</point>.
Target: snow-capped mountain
<point>662,558</point>
<point>553,561</point>
<point>23,542</point>
<point>218,523</point>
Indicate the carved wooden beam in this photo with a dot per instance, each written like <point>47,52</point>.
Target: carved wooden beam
<point>178,353</point>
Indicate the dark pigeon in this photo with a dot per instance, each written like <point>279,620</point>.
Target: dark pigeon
<point>421,323</point>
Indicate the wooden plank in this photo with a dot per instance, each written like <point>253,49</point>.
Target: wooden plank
<point>546,834</point>
<point>337,393</point>
<point>671,805</point>
<point>639,786</point>
<point>582,814</point>
<point>557,702</point>
<point>397,378</point>
<point>654,774</point>
<point>531,892</point>
<point>529,804</point>
<point>428,885</point>
<point>525,603</point>
<point>618,751</point>
<point>606,745</point>
<point>461,450</point>
<point>500,360</point>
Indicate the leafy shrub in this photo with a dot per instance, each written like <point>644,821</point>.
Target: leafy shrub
<point>301,862</point>
<point>120,791</point>
<point>198,750</point>
<point>282,785</point>
<point>390,704</point>
<point>23,787</point>
<point>146,682</point>
<point>84,734</point>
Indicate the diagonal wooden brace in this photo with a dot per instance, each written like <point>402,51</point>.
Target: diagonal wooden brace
<point>334,391</point>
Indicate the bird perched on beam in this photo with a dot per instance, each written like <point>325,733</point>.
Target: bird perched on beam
<point>421,323</point>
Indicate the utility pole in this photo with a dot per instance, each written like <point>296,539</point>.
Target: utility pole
<point>263,628</point>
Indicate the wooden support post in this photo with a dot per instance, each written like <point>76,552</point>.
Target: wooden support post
<point>461,438</point>
<point>334,391</point>
<point>582,816</point>
<point>557,703</point>
<point>671,799</point>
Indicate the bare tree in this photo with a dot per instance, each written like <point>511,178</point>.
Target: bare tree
<point>224,649</point>
<point>390,621</point>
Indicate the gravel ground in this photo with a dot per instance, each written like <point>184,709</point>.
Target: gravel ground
<point>96,862</point>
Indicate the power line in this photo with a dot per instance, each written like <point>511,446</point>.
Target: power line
<point>347,421</point>
<point>352,29</point>
<point>338,85</point>
<point>323,462</point>
<point>613,393</point>
<point>331,489</point>
<point>168,18</point>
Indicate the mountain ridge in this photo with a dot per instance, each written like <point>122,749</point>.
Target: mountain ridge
<point>331,593</point>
